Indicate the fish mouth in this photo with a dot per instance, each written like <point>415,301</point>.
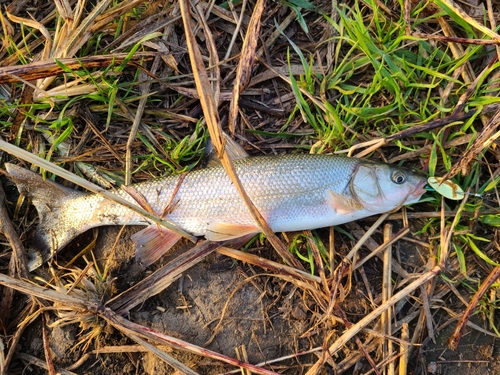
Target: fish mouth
<point>419,189</point>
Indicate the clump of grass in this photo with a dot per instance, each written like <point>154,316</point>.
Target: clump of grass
<point>88,284</point>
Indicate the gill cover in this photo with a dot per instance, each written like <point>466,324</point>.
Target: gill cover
<point>364,186</point>
<point>382,185</point>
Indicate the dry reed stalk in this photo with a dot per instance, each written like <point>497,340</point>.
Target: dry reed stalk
<point>388,242</point>
<point>246,61</point>
<point>454,339</point>
<point>386,317</point>
<point>268,264</point>
<point>50,67</point>
<point>404,349</point>
<point>351,256</point>
<point>212,119</point>
<point>46,346</point>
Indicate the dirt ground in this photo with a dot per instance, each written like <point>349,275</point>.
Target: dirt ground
<point>478,354</point>
<point>261,314</point>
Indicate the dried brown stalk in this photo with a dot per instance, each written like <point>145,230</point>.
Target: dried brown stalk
<point>386,317</point>
<point>46,347</point>
<point>481,143</point>
<point>268,264</point>
<point>471,307</point>
<point>212,119</point>
<point>404,349</point>
<point>50,67</point>
<point>8,230</point>
<point>246,61</point>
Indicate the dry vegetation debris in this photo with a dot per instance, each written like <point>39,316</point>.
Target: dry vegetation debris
<point>119,92</point>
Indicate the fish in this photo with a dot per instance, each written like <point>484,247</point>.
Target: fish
<point>293,192</point>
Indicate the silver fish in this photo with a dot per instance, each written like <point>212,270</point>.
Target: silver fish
<point>292,192</point>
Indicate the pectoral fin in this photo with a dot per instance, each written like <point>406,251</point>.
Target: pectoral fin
<point>152,242</point>
<point>342,204</point>
<point>226,231</point>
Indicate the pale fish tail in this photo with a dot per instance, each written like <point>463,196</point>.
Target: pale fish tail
<point>63,215</point>
<point>50,200</point>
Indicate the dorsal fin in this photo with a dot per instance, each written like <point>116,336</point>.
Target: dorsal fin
<point>233,148</point>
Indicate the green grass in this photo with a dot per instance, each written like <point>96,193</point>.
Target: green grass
<point>384,81</point>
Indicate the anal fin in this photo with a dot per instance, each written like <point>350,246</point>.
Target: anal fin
<point>226,231</point>
<point>152,242</point>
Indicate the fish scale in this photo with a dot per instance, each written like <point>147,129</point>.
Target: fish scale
<point>283,188</point>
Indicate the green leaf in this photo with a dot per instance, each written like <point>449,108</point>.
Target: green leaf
<point>301,3</point>
<point>479,253</point>
<point>490,219</point>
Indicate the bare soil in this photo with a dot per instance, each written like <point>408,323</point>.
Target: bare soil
<point>260,315</point>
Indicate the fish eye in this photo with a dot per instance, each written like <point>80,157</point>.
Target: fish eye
<point>398,177</point>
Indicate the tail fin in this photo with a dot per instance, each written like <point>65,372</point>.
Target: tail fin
<point>49,199</point>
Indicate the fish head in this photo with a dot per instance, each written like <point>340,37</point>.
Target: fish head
<point>384,187</point>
